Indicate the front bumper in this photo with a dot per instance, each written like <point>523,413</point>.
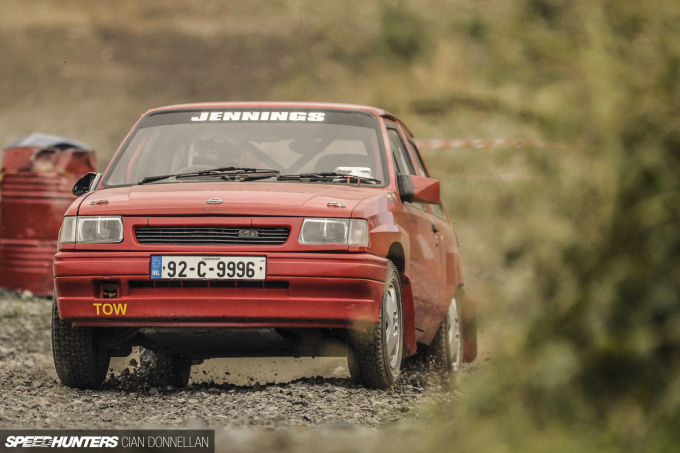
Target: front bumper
<point>300,290</point>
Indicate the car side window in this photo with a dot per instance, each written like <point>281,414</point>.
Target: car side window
<point>403,160</point>
<point>401,157</point>
<point>436,209</point>
<point>418,160</point>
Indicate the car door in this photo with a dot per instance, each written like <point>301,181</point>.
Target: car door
<point>448,242</point>
<point>424,267</point>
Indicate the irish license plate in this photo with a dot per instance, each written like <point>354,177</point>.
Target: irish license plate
<point>209,267</point>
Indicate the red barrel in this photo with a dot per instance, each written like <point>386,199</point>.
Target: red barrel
<point>38,173</point>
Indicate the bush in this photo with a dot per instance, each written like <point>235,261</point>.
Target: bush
<point>403,33</point>
<point>594,362</point>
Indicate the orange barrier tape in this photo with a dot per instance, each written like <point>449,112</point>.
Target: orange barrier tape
<point>506,177</point>
<point>488,143</point>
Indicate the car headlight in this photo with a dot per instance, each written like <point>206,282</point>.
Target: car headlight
<point>334,231</point>
<point>67,233</point>
<point>91,230</point>
<point>358,232</point>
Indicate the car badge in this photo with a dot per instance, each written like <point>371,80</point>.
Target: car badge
<point>214,201</point>
<point>98,202</point>
<point>334,204</point>
<point>248,234</point>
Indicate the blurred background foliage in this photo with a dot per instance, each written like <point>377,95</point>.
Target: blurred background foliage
<point>571,252</point>
<point>594,361</point>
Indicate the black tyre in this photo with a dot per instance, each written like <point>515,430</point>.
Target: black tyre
<point>446,350</point>
<point>77,359</point>
<point>374,353</point>
<point>354,370</point>
<point>164,369</point>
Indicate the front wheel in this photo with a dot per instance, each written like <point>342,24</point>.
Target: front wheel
<point>374,353</point>
<point>77,358</point>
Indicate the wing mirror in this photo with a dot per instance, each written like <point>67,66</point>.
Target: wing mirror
<point>418,189</point>
<point>86,184</point>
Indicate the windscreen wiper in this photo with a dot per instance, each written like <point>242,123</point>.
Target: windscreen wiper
<point>327,175</point>
<point>224,173</point>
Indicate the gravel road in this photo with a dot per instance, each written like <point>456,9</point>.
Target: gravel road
<point>253,404</point>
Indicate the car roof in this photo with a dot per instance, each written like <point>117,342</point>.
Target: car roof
<point>306,105</point>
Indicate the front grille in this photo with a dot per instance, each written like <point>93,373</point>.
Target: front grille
<point>211,235</point>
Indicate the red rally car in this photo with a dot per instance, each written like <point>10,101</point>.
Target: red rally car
<point>260,229</point>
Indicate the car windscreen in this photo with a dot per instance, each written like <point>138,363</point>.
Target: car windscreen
<point>291,142</point>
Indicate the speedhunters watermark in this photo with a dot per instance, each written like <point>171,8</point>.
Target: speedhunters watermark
<point>187,441</point>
